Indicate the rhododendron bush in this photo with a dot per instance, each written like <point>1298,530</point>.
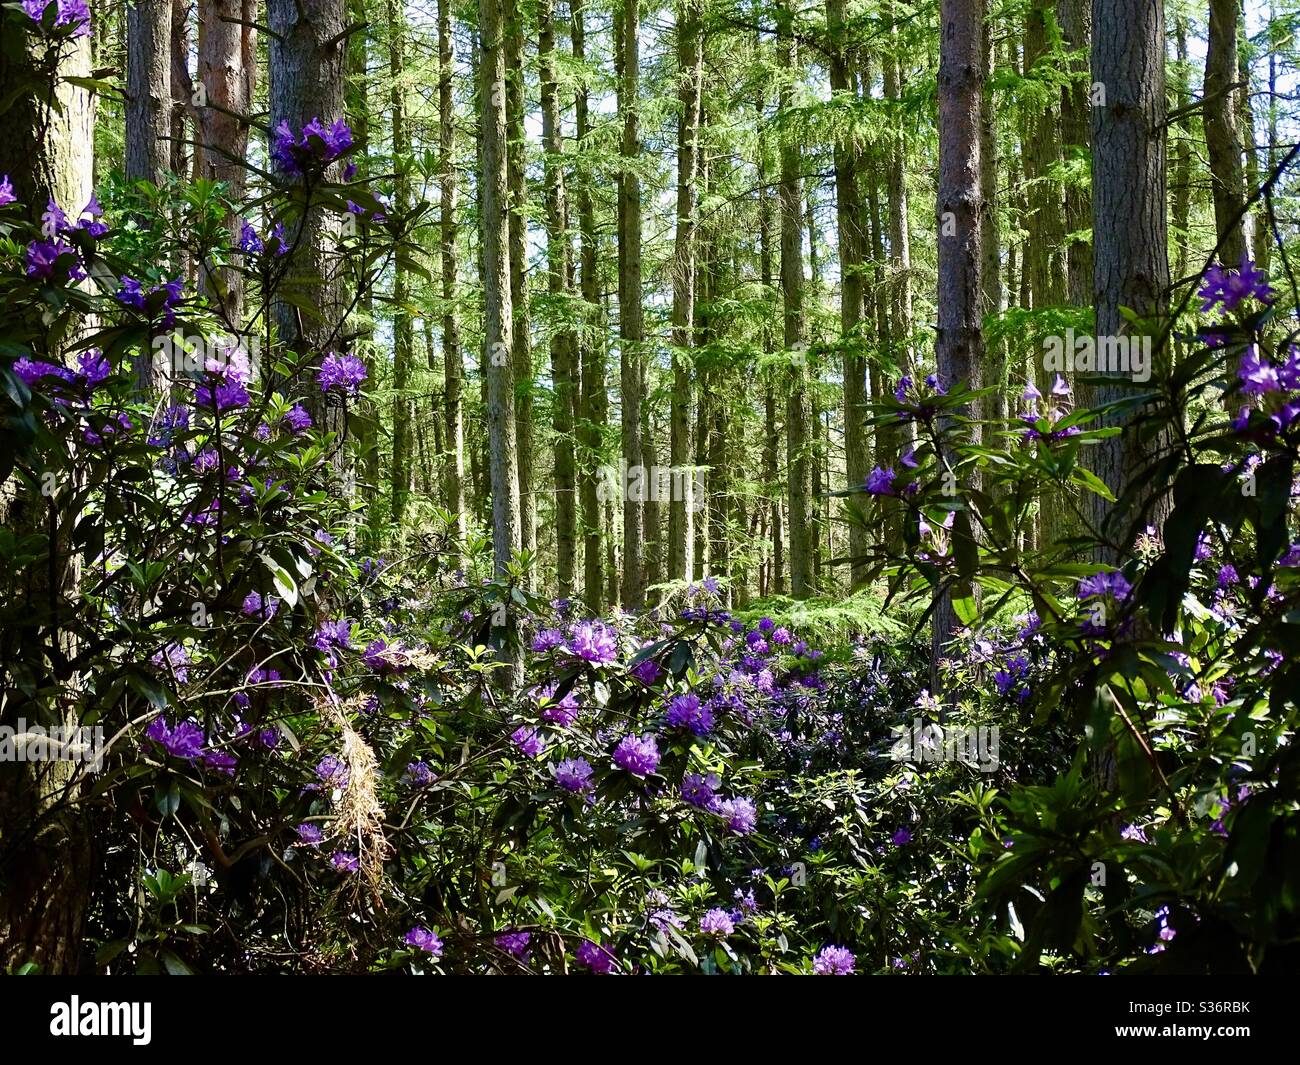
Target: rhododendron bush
<point>334,746</point>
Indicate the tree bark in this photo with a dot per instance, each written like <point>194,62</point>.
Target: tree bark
<point>400,472</point>
<point>1130,253</point>
<point>1222,138</point>
<point>148,89</point>
<point>630,323</point>
<point>798,458</point>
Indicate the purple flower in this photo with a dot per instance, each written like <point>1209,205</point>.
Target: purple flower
<point>333,634</point>
<point>901,838</point>
<point>563,712</point>
<point>686,712</point>
<point>1102,584</point>
<point>573,774</point>
<point>418,774</point>
<point>344,862</point>
<point>700,790</point>
<point>514,943</point>
<point>717,924</point>
<point>6,191</point>
<point>740,814</point>
<point>298,420</point>
<point>421,938</point>
<point>309,834</point>
<point>186,740</point>
<point>1230,287</point>
<point>880,482</point>
<point>594,957</point>
<point>43,256</point>
<point>1256,374</point>
<point>258,606</point>
<point>317,145</point>
<point>249,242</point>
<point>342,372</point>
<point>547,639</point>
<point>834,961</point>
<point>529,741</point>
<point>333,771</point>
<point>594,642</point>
<point>647,671</point>
<point>640,757</point>
<point>89,221</point>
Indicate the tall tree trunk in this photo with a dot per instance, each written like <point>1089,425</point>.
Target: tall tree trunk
<point>521,352</point>
<point>798,457</point>
<point>848,211</point>
<point>630,324</point>
<point>1222,138</point>
<point>494,206</point>
<point>991,236</point>
<point>775,582</point>
<point>559,254</point>
<point>403,333</point>
<point>959,349</point>
<point>594,397</point>
<point>1130,255</point>
<point>1182,170</point>
<point>690,73</point>
<point>228,74</point>
<point>148,89</point>
<point>182,88</point>
<point>307,65</point>
<point>47,856</point>
<point>452,360</point>
<point>1075,20</point>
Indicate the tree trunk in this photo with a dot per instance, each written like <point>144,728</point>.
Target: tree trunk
<point>452,365</point>
<point>630,324</point>
<point>798,478</point>
<point>228,75</point>
<point>1222,138</point>
<point>1075,20</point>
<point>47,857</point>
<point>959,349</point>
<point>594,397</point>
<point>521,353</point>
<point>559,254</point>
<point>690,73</point>
<point>307,63</point>
<point>148,89</point>
<point>848,212</point>
<point>494,207</point>
<point>403,334</point>
<point>1130,257</point>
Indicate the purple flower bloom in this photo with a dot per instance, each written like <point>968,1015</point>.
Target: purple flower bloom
<point>573,774</point>
<point>834,961</point>
<point>514,943</point>
<point>344,862</point>
<point>421,938</point>
<point>529,741</point>
<point>44,255</point>
<point>901,838</point>
<point>6,191</point>
<point>594,957</point>
<point>298,419</point>
<point>647,671</point>
<point>418,774</point>
<point>547,639</point>
<point>334,772</point>
<point>186,740</point>
<point>1102,584</point>
<point>880,482</point>
<point>342,372</point>
<point>740,814</point>
<point>563,712</point>
<point>686,712</point>
<point>309,834</point>
<point>1230,287</point>
<point>700,790</point>
<point>249,242</point>
<point>640,757</point>
<point>717,924</point>
<point>594,642</point>
<point>259,606</point>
